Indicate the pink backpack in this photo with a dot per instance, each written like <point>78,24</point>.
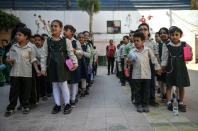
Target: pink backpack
<point>69,64</point>
<point>187,51</point>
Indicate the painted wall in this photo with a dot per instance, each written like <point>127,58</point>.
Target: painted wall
<point>186,20</point>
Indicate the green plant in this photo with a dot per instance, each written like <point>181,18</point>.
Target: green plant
<point>91,7</point>
<point>7,20</point>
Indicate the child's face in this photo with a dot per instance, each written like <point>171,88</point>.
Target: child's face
<point>138,42</point>
<point>32,40</point>
<point>86,36</point>
<point>38,42</point>
<point>125,40</point>
<point>81,38</point>
<point>144,29</point>
<point>55,28</point>
<point>175,37</point>
<point>157,38</point>
<point>131,37</point>
<point>163,35</point>
<point>68,33</point>
<point>20,37</point>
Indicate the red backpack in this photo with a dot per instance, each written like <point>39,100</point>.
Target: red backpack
<point>110,50</point>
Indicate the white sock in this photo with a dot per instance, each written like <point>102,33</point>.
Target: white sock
<point>56,93</point>
<point>65,92</point>
<point>84,84</point>
<point>73,91</point>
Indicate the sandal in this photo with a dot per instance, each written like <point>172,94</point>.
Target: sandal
<point>182,107</point>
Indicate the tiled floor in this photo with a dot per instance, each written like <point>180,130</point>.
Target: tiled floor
<point>107,108</point>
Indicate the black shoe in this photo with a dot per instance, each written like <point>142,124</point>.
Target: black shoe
<point>44,98</point>
<point>123,84</point>
<point>86,92</point>
<point>67,109</point>
<point>163,98</point>
<point>182,107</point>
<point>158,91</point>
<point>56,109</point>
<point>153,103</point>
<point>73,104</point>
<point>19,108</point>
<point>108,74</point>
<point>49,95</point>
<point>76,100</point>
<point>146,109</point>
<point>139,108</point>
<point>170,107</point>
<point>8,113</point>
<point>26,110</point>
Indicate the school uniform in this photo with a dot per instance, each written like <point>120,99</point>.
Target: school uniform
<point>21,75</point>
<point>123,63</point>
<point>141,74</point>
<point>75,75</point>
<point>84,63</point>
<point>161,77</point>
<point>153,46</point>
<point>55,52</point>
<point>176,70</point>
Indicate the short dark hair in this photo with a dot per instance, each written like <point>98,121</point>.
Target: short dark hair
<point>175,29</point>
<point>66,27</point>
<point>26,31</point>
<point>163,28</point>
<point>37,35</point>
<point>145,24</point>
<point>139,35</point>
<point>86,32</point>
<point>157,33</point>
<point>59,22</point>
<point>43,35</point>
<point>126,36</point>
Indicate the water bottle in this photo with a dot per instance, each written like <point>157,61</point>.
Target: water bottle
<point>175,105</point>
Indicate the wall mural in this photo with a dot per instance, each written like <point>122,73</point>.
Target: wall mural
<point>43,26</point>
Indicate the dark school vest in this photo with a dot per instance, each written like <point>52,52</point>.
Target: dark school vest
<point>57,53</point>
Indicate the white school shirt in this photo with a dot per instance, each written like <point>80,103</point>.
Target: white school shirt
<point>24,57</point>
<point>141,68</point>
<point>165,52</point>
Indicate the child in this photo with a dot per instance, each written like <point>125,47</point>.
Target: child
<point>176,70</point>
<point>163,33</point>
<point>153,46</point>
<point>69,31</point>
<point>141,74</point>
<point>84,62</point>
<point>89,71</point>
<point>21,56</point>
<point>40,81</point>
<point>55,51</point>
<point>122,52</point>
<point>95,61</point>
<point>117,59</point>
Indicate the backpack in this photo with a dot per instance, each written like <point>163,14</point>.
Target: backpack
<point>110,51</point>
<point>187,52</point>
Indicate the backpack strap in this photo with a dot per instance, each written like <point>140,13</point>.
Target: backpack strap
<point>65,53</point>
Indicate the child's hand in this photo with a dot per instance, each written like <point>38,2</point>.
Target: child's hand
<point>39,73</point>
<point>159,72</point>
<point>10,61</point>
<point>74,67</point>
<point>74,50</point>
<point>163,69</point>
<point>44,73</point>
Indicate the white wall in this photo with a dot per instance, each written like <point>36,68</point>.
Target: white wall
<point>186,20</point>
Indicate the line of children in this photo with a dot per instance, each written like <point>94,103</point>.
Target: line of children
<point>166,57</point>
